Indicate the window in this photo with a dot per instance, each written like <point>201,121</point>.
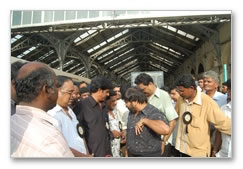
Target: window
<point>27,17</point>
<point>70,15</point>
<point>58,15</point>
<point>16,18</point>
<point>48,16</point>
<point>36,16</point>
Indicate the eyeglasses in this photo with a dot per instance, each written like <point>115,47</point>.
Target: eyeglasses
<point>66,92</point>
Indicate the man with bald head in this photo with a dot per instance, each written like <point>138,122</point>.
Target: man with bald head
<point>32,130</point>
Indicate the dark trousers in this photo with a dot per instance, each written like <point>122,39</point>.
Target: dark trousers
<point>152,154</point>
<point>183,155</point>
<point>174,152</point>
<point>167,151</point>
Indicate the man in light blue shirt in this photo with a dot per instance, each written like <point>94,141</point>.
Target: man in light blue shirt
<point>67,121</point>
<point>161,100</point>
<point>211,83</point>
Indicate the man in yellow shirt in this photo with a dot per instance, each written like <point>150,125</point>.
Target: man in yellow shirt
<point>196,110</point>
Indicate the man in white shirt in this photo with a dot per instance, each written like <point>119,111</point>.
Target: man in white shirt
<point>67,121</point>
<point>225,150</point>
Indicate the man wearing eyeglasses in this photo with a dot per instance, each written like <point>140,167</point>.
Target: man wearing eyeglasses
<point>67,120</point>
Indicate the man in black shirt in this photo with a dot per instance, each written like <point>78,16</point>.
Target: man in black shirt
<point>145,125</point>
<point>92,115</point>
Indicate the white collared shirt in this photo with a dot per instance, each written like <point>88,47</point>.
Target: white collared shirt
<point>225,150</point>
<point>122,112</point>
<point>68,127</point>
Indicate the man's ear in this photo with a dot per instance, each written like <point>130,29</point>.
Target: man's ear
<point>47,90</point>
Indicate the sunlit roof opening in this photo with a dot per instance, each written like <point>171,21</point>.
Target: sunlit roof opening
<point>171,28</point>
<point>17,37</point>
<point>158,66</point>
<point>46,55</point>
<point>54,61</point>
<point>84,35</point>
<point>108,40</point>
<point>68,63</point>
<point>28,51</point>
<point>121,61</point>
<point>72,68</point>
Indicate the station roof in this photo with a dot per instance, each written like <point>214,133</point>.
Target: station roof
<point>116,45</point>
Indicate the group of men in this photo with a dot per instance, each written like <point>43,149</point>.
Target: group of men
<point>51,122</point>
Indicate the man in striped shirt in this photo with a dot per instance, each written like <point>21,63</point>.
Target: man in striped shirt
<point>32,130</point>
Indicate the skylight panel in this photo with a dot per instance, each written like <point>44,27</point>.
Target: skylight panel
<point>181,33</point>
<point>92,31</point>
<point>125,31</point>
<point>77,39</point>
<point>110,39</point>
<point>162,46</point>
<point>46,55</point>
<point>17,37</point>
<point>26,52</point>
<point>190,36</point>
<point>68,63</point>
<point>53,61</point>
<point>165,47</point>
<point>122,61</point>
<point>118,35</point>
<point>103,43</point>
<point>84,35</point>
<point>175,51</point>
<point>90,50</point>
<point>96,47</point>
<point>75,66</point>
<point>103,56</point>
<point>171,28</point>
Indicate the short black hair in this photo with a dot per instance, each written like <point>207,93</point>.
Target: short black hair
<point>144,79</point>
<point>61,80</point>
<point>83,82</point>
<point>186,81</point>
<point>228,84</point>
<point>15,68</point>
<point>100,82</point>
<point>123,89</point>
<point>111,94</point>
<point>83,90</point>
<point>29,87</point>
<point>116,85</point>
<point>172,88</point>
<point>135,94</point>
